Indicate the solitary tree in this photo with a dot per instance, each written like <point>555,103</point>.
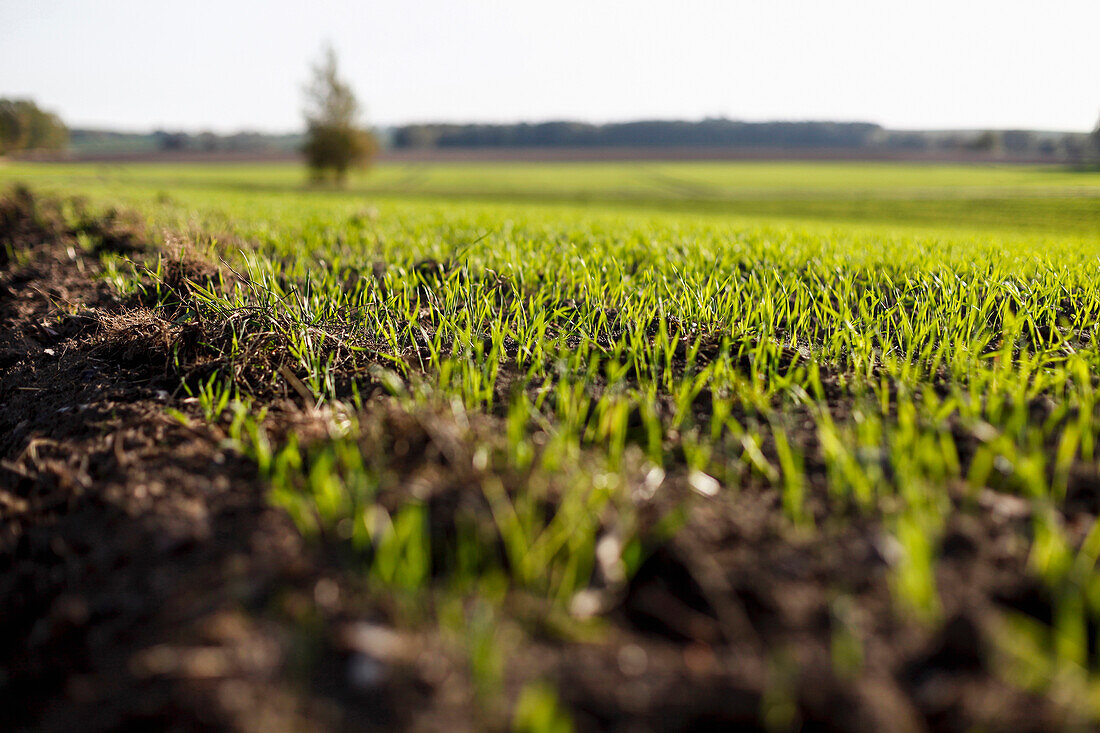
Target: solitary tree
<point>334,140</point>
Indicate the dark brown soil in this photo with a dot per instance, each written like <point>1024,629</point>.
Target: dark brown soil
<point>132,548</point>
<point>146,582</point>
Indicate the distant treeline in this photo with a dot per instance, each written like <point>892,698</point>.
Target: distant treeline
<point>27,130</point>
<point>721,132</point>
<point>109,141</point>
<point>708,133</point>
<point>645,133</point>
<point>23,126</point>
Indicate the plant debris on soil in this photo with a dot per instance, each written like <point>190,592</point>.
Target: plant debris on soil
<point>133,549</point>
<point>148,581</point>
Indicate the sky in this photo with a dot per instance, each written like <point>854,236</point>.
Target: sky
<point>229,65</point>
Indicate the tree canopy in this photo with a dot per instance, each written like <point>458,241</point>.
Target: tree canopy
<point>334,140</point>
<point>23,126</point>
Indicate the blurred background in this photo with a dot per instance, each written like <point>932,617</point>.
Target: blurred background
<point>480,80</point>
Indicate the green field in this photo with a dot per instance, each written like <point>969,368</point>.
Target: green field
<point>998,197</point>
<point>856,405</point>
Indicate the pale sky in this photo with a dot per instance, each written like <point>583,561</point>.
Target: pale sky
<point>227,65</point>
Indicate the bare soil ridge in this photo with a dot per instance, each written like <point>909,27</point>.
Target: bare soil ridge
<point>132,548</point>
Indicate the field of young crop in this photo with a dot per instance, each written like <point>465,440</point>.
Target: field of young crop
<point>578,446</point>
<point>1008,198</point>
